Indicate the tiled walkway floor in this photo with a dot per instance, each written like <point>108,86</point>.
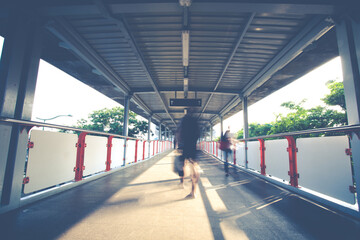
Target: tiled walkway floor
<point>146,202</point>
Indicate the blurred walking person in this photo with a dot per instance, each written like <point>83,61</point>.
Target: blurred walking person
<point>189,133</point>
<point>225,145</point>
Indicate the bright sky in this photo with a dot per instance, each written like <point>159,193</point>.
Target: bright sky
<point>312,87</point>
<point>57,93</point>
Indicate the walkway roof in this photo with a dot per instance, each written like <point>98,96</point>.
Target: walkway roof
<point>236,49</point>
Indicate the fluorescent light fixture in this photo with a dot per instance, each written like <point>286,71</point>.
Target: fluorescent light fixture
<point>185,3</point>
<point>185,47</point>
<point>186,87</point>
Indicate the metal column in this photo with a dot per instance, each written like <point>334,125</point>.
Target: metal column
<point>149,132</point>
<point>221,125</point>
<point>348,37</point>
<point>126,123</point>
<point>160,133</point>
<point>246,126</point>
<point>18,74</point>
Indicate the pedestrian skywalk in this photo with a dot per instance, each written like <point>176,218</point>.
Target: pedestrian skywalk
<point>145,201</point>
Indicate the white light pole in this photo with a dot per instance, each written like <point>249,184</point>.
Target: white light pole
<point>46,119</point>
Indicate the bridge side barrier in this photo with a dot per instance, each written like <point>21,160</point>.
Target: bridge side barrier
<point>57,158</point>
<point>319,168</point>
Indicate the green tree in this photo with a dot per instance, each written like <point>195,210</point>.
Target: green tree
<point>301,118</point>
<point>255,129</point>
<point>336,96</point>
<point>111,121</point>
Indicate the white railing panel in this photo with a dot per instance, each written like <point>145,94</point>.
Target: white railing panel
<point>152,148</point>
<point>324,167</point>
<point>254,155</point>
<point>140,150</point>
<point>117,152</point>
<point>130,151</point>
<point>277,158</point>
<point>147,149</point>
<point>51,161</point>
<point>240,154</point>
<point>95,154</point>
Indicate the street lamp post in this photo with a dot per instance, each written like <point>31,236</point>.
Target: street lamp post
<point>47,119</point>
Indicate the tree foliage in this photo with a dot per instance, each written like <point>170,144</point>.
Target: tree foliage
<point>336,96</point>
<point>301,118</point>
<point>112,121</point>
<point>255,129</point>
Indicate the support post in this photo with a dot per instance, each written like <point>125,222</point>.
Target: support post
<point>293,173</point>
<point>19,65</point>
<point>217,149</point>
<point>246,127</point>
<point>348,38</point>
<point>148,136</point>
<point>262,156</point>
<point>80,154</point>
<point>108,154</point>
<point>136,149</point>
<point>144,149</point>
<point>126,124</point>
<point>234,152</point>
<point>221,126</point>
<point>160,133</point>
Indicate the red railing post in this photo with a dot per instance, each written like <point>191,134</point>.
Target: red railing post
<point>235,155</point>
<point>157,146</point>
<point>80,154</point>
<point>108,154</point>
<point>294,176</point>
<point>217,149</point>
<point>153,147</point>
<point>262,156</point>
<point>144,149</point>
<point>136,149</point>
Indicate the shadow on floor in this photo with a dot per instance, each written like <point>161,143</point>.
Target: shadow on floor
<point>265,211</point>
<point>50,217</point>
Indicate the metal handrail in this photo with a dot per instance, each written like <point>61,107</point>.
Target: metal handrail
<point>347,128</point>
<point>39,124</point>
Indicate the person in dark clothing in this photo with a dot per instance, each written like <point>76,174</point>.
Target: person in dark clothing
<point>226,139</point>
<point>189,133</point>
<point>228,142</point>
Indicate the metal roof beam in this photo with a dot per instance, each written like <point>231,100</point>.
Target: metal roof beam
<point>173,90</point>
<point>81,48</point>
<point>124,29</point>
<point>230,105</point>
<point>182,111</point>
<point>141,104</point>
<point>203,7</point>
<point>310,33</point>
<point>230,58</point>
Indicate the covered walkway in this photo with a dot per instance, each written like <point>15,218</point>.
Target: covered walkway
<point>145,201</point>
